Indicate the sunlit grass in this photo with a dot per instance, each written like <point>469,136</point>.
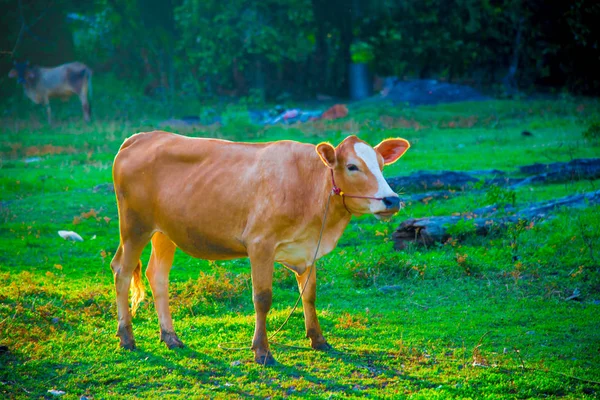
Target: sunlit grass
<point>476,318</point>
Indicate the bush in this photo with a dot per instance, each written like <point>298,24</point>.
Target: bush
<point>463,228</point>
<point>592,132</point>
<point>237,123</point>
<point>218,286</point>
<point>378,268</point>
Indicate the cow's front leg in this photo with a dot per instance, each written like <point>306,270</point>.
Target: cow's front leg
<point>309,295</point>
<point>262,261</point>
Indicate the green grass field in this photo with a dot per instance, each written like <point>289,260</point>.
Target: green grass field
<point>475,318</point>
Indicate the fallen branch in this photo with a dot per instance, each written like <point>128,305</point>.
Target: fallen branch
<point>427,231</point>
<point>575,170</point>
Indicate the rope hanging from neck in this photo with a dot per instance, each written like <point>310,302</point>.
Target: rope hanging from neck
<point>335,191</point>
<point>313,267</point>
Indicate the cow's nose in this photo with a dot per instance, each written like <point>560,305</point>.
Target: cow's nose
<point>391,202</point>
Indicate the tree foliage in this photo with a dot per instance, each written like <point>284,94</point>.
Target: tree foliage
<point>208,48</point>
<point>229,45</point>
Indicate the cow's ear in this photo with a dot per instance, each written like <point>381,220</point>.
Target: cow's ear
<point>327,154</point>
<point>12,73</point>
<point>392,149</point>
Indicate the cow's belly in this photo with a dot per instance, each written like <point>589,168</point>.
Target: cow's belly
<point>207,246</point>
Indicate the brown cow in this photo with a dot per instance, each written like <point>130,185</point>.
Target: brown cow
<point>220,200</point>
<point>41,84</point>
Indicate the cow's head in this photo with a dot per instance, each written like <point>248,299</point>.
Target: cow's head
<point>22,72</point>
<point>357,170</point>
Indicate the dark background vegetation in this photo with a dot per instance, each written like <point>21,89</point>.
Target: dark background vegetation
<point>281,49</point>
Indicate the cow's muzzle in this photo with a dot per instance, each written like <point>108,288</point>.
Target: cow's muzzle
<point>392,206</point>
<point>391,202</point>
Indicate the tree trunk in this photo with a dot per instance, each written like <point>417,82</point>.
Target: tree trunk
<point>509,80</point>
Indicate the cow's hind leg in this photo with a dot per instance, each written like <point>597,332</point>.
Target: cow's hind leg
<point>161,260</point>
<point>309,295</point>
<point>262,260</point>
<point>125,263</point>
<point>85,104</point>
<point>48,110</point>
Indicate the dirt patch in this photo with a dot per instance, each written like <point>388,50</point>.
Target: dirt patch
<point>18,150</point>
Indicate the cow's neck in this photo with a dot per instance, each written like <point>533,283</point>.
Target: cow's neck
<point>33,80</point>
<point>31,88</point>
<point>337,210</point>
<point>337,216</point>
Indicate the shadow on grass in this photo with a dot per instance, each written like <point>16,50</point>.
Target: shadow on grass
<point>368,370</point>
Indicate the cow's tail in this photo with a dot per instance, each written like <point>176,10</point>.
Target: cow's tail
<point>137,288</point>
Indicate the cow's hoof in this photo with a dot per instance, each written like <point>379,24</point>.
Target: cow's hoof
<point>128,345</point>
<point>125,334</point>
<point>321,345</point>
<point>171,340</point>
<point>265,359</point>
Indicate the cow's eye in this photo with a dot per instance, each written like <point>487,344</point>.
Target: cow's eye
<point>352,167</point>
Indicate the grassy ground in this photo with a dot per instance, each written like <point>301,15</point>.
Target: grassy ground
<point>473,318</point>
